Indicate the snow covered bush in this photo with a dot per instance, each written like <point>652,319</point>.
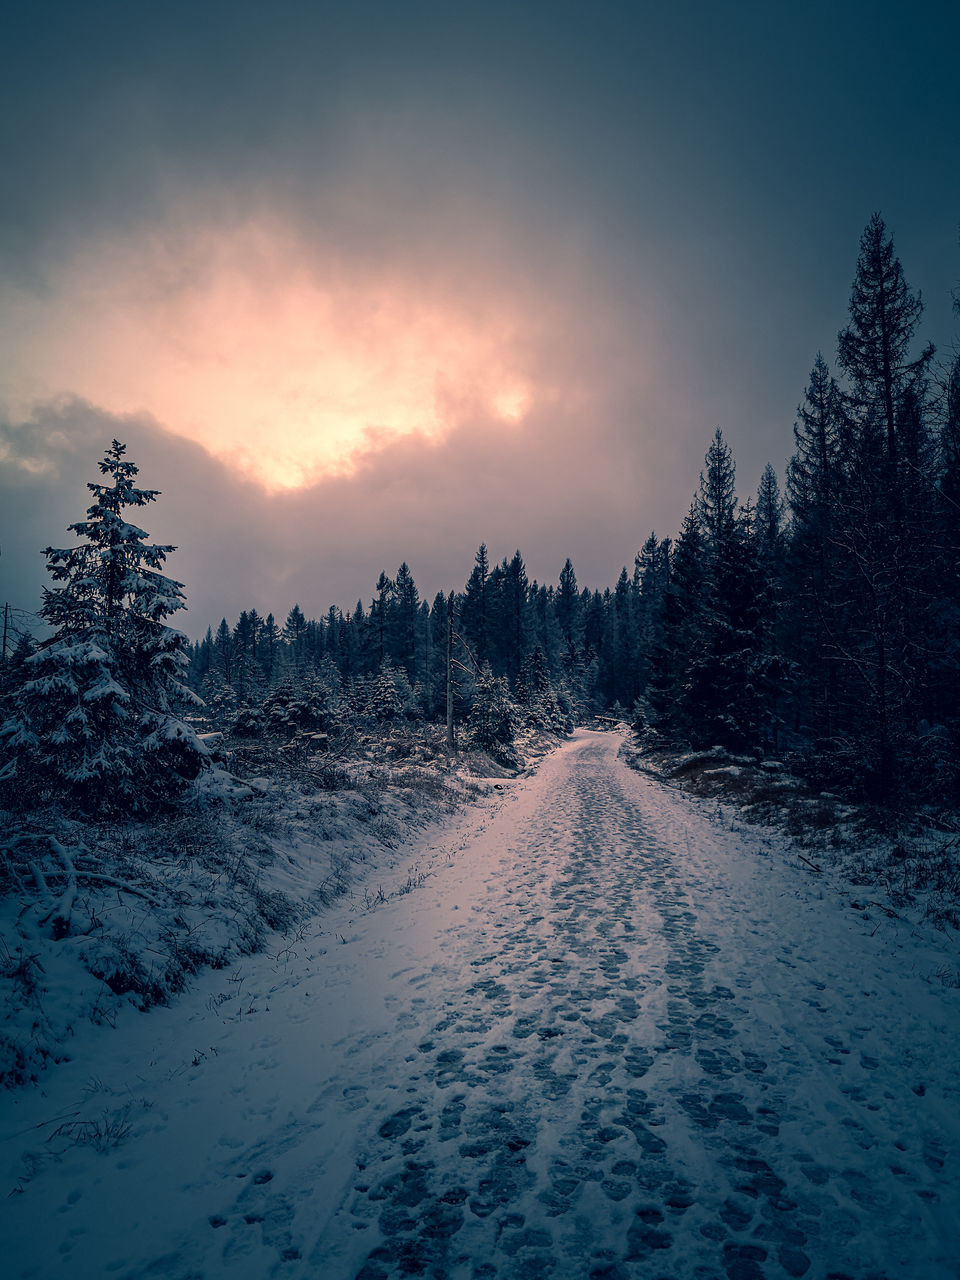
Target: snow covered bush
<point>540,706</point>
<point>95,718</point>
<point>388,697</point>
<point>492,717</point>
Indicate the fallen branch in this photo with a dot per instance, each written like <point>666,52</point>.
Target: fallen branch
<point>39,880</point>
<point>99,878</point>
<point>888,911</point>
<point>813,866</point>
<point>59,913</point>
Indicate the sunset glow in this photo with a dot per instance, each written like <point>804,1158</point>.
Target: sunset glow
<point>287,365</point>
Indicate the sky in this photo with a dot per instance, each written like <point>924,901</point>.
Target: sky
<point>374,283</point>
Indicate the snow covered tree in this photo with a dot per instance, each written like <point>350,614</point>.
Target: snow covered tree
<point>270,641</point>
<point>403,616</point>
<point>644,607</point>
<point>567,605</point>
<point>294,633</point>
<point>96,718</point>
<point>491,718</point>
<point>223,651</point>
<point>514,615</point>
<point>682,637</point>
<point>723,701</point>
<point>539,704</point>
<point>473,614</point>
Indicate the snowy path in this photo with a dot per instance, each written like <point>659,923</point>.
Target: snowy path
<point>606,1038</point>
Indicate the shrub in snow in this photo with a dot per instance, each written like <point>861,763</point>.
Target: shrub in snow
<point>540,706</point>
<point>95,716</point>
<point>388,697</point>
<point>492,716</point>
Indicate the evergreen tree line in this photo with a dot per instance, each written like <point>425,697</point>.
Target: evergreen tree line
<point>827,625</point>
<point>820,623</point>
<point>516,650</point>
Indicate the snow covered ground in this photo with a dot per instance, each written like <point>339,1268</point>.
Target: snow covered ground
<point>585,1030</point>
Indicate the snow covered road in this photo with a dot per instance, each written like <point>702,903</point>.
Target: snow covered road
<point>606,1037</point>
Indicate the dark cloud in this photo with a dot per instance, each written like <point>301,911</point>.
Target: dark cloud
<point>549,490</point>
<point>673,194</point>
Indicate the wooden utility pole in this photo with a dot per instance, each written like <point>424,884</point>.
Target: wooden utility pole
<point>3,650</point>
<point>451,740</point>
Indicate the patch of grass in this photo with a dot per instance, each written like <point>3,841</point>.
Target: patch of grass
<point>104,1133</point>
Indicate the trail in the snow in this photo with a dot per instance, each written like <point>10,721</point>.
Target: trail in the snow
<point>606,1041</point>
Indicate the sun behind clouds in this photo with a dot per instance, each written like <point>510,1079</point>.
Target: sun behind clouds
<point>287,364</point>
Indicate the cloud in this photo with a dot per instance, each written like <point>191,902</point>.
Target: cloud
<point>552,489</point>
<point>280,355</point>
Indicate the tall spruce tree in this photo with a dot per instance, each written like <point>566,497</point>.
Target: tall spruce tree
<point>473,616</point>
<point>881,636</point>
<point>402,623</point>
<point>722,702</point>
<point>814,484</point>
<point>770,546</point>
<point>645,609</point>
<point>874,348</point>
<point>97,720</point>
<point>683,637</point>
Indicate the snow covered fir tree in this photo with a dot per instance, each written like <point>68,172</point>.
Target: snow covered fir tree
<point>96,719</point>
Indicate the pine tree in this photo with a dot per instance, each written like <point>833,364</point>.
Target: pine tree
<point>202,658</point>
<point>874,348</point>
<point>652,577</point>
<point>723,701</point>
<point>770,549</point>
<point>515,589</point>
<point>617,651</point>
<point>881,636</point>
<point>815,482</point>
<point>473,614</point>
<point>684,629</point>
<point>223,651</point>
<point>813,472</point>
<point>243,654</point>
<point>270,641</point>
<point>567,605</point>
<point>379,608</point>
<point>294,633</point>
<point>96,720</point>
<point>717,504</point>
<point>436,679</point>
<point>388,695</point>
<point>402,623</point>
<point>492,714</point>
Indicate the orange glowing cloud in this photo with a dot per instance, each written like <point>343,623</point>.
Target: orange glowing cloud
<point>287,363</point>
